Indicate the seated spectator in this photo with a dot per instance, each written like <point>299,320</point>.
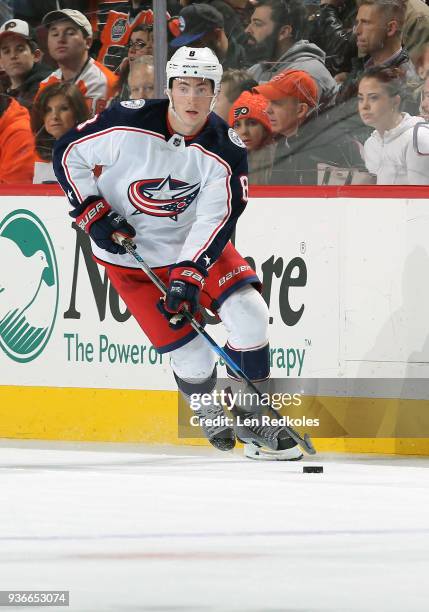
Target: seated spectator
<point>378,30</point>
<point>424,100</point>
<point>20,58</point>
<point>421,61</point>
<point>203,26</point>
<point>303,139</point>
<point>141,79</point>
<point>69,39</point>
<point>233,83</point>
<point>59,107</point>
<point>235,16</point>
<point>141,42</point>
<point>115,26</point>
<point>249,119</point>
<point>117,33</point>
<point>275,41</point>
<point>389,152</point>
<point>16,143</point>
<point>331,29</point>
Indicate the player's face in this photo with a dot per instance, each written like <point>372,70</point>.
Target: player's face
<point>191,98</point>
<point>16,56</point>
<point>376,108</point>
<point>66,42</point>
<point>251,132</point>
<point>284,115</point>
<point>141,43</point>
<point>59,116</point>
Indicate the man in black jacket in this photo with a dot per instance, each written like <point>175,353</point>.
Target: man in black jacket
<point>20,57</point>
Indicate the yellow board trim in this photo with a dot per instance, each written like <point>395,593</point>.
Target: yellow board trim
<point>116,415</point>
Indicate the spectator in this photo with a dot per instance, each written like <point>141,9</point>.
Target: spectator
<point>58,108</point>
<point>203,26</point>
<point>304,139</point>
<point>249,119</point>
<point>378,30</point>
<point>421,61</point>
<point>16,142</point>
<point>389,152</point>
<point>424,101</point>
<point>233,83</point>
<point>331,29</point>
<point>235,16</point>
<point>141,41</point>
<point>275,41</point>
<point>20,58</point>
<point>141,78</point>
<point>292,96</point>
<point>69,39</point>
<point>415,31</point>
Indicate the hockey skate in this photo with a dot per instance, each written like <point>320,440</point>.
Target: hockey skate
<point>221,435</point>
<point>262,441</point>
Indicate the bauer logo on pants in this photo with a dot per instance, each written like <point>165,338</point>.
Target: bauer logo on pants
<point>28,286</point>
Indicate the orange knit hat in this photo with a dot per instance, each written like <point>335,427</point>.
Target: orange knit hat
<point>250,106</point>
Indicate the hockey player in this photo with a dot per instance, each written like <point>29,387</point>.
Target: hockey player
<point>175,180</point>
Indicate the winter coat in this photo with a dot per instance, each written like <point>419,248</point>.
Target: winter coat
<point>306,56</point>
<point>317,141</point>
<point>392,157</point>
<point>26,92</point>
<point>327,30</point>
<point>16,143</point>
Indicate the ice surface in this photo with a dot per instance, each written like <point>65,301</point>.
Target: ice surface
<point>188,529</point>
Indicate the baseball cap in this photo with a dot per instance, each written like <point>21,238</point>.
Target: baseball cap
<point>250,106</point>
<point>19,28</point>
<point>76,16</point>
<point>291,83</point>
<point>195,21</point>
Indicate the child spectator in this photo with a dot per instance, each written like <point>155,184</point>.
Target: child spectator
<point>58,108</point>
<point>16,142</point>
<point>20,58</point>
<point>233,83</point>
<point>249,119</point>
<point>69,39</point>
<point>389,152</point>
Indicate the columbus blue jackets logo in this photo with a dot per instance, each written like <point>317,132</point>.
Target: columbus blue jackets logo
<point>162,197</point>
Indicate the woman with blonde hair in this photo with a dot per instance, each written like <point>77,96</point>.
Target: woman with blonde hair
<point>249,119</point>
<point>56,110</point>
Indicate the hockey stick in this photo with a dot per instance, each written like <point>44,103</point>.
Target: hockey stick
<point>304,442</point>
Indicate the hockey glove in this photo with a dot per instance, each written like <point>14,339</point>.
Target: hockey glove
<point>184,286</point>
<point>96,217</point>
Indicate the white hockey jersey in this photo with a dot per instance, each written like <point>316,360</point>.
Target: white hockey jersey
<point>182,195</point>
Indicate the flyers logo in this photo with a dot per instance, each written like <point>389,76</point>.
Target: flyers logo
<point>241,111</point>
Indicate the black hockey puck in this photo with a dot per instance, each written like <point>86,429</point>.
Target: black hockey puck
<point>312,469</point>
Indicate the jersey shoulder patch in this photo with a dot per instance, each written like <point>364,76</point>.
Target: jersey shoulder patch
<point>133,103</point>
<point>235,138</point>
